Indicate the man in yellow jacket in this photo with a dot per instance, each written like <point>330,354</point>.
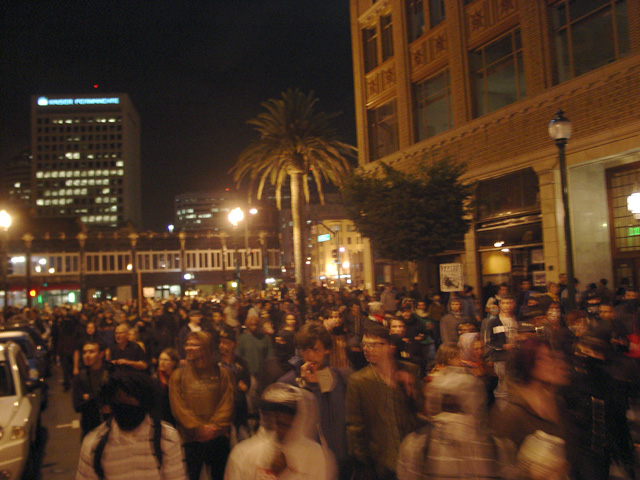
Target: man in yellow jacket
<point>201,395</point>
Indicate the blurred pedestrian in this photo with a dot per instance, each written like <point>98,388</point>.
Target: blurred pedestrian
<point>284,446</point>
<point>383,400</point>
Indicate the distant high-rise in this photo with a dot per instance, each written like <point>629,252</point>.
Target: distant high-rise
<point>204,210</point>
<point>16,180</point>
<point>210,211</point>
<point>86,158</point>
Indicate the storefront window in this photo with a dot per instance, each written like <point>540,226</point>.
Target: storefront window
<point>510,195</point>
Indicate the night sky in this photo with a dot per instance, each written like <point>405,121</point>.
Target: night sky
<point>195,70</point>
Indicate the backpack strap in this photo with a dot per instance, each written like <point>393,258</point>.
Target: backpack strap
<point>157,440</point>
<point>156,443</point>
<point>99,450</point>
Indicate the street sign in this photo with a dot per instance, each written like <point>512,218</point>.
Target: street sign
<point>325,237</point>
<point>451,277</point>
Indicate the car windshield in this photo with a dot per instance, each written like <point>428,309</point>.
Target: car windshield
<point>25,345</point>
<point>6,380</point>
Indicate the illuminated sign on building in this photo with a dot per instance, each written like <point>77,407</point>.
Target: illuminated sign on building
<point>48,102</point>
<point>324,238</point>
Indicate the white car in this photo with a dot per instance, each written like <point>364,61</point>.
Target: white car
<point>20,400</point>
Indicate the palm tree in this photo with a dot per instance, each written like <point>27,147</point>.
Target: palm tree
<point>295,141</point>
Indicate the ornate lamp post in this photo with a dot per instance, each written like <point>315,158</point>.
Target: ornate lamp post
<point>5,223</point>
<point>182,237</point>
<point>560,132</point>
<point>28,241</point>
<point>82,239</point>
<point>235,217</point>
<point>135,274</point>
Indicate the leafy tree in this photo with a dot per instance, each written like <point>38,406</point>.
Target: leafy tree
<point>409,215</point>
<point>296,142</point>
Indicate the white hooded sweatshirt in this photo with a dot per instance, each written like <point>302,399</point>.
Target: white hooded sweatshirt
<point>306,459</point>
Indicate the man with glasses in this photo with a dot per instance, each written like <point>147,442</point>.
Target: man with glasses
<point>383,400</point>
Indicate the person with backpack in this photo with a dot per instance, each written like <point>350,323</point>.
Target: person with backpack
<point>132,443</point>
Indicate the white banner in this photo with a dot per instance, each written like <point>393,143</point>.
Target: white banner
<point>451,277</point>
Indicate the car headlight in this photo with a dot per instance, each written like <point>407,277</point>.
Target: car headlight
<point>17,433</point>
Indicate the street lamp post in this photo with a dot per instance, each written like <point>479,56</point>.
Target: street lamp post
<point>252,211</point>
<point>82,241</point>
<point>235,217</point>
<point>560,132</point>
<point>28,241</point>
<point>5,223</point>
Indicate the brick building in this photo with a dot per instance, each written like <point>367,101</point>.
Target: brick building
<point>478,81</point>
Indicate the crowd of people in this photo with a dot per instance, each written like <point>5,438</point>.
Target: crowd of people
<point>327,384</point>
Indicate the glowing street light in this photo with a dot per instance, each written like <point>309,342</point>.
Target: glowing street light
<point>5,219</point>
<point>236,216</point>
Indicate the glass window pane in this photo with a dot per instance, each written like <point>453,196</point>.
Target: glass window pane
<point>501,88</point>
<point>593,43</point>
<point>415,19</point>
<point>387,36</point>
<point>479,98</point>
<point>563,61</point>
<point>432,106</point>
<point>623,28</point>
<point>498,50</point>
<point>580,8</point>
<point>436,12</point>
<point>588,35</point>
<point>383,130</point>
<point>369,40</point>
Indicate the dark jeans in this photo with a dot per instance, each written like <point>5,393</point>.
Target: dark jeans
<point>213,453</point>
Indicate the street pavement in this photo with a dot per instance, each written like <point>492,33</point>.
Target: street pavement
<point>58,445</point>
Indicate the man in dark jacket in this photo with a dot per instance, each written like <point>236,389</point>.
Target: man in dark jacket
<point>87,385</point>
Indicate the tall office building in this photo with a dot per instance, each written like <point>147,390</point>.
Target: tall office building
<point>478,81</point>
<point>204,210</point>
<point>86,158</point>
<point>16,180</point>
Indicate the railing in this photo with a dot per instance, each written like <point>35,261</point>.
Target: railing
<point>68,263</point>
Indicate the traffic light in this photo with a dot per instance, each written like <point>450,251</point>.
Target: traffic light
<point>334,254</point>
<point>9,267</point>
<point>33,292</point>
